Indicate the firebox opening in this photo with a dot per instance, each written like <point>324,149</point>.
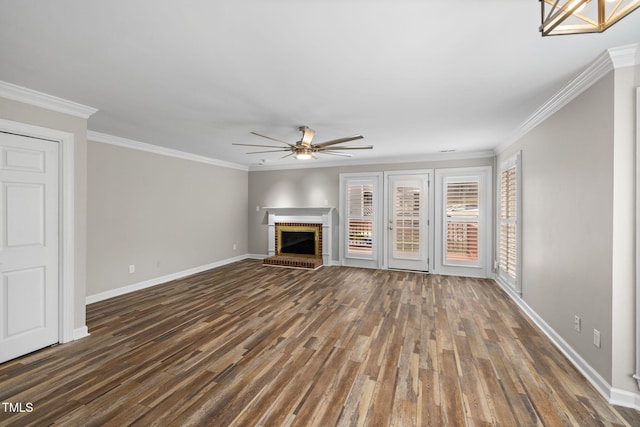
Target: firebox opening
<point>298,243</point>
<point>298,240</point>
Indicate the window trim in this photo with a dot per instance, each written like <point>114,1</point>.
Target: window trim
<point>516,284</point>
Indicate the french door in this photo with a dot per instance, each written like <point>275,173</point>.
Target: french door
<point>398,220</point>
<point>407,220</point>
<point>28,245</point>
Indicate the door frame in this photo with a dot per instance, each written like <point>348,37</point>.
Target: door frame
<point>66,218</point>
<point>430,210</point>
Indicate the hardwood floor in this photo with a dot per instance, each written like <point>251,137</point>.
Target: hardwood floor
<point>247,344</point>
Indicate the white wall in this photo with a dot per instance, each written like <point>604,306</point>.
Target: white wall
<point>567,182</point>
<point>578,175</point>
<point>162,214</point>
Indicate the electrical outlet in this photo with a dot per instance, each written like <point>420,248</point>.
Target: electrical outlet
<point>577,323</point>
<point>132,268</point>
<point>596,338</point>
<point>235,246</point>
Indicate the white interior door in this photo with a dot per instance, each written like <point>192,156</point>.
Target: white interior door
<point>407,221</point>
<point>28,245</point>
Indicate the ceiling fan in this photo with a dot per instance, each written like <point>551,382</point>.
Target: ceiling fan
<point>304,149</point>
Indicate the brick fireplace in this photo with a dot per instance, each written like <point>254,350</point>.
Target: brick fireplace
<point>299,237</point>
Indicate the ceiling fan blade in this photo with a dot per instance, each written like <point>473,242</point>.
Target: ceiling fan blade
<point>355,147</point>
<point>307,135</point>
<point>256,145</point>
<point>273,139</point>
<point>284,157</point>
<point>268,151</point>
<point>333,153</point>
<point>339,140</point>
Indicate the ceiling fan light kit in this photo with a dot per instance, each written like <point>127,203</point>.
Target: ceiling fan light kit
<point>303,154</point>
<point>304,149</point>
<point>582,16</point>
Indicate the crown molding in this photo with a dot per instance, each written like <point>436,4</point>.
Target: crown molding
<point>155,149</point>
<point>39,99</point>
<point>613,58</point>
<point>624,56</point>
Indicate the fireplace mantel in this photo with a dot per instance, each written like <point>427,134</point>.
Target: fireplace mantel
<point>319,215</point>
<point>299,211</point>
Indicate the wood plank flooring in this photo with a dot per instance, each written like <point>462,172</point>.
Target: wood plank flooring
<point>253,345</point>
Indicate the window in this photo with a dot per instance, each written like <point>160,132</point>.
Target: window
<point>508,231</point>
<point>360,218</point>
<point>359,207</point>
<point>463,213</point>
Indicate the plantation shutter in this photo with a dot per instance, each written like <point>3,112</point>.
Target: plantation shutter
<point>407,220</point>
<point>360,219</point>
<point>508,232</point>
<point>462,220</point>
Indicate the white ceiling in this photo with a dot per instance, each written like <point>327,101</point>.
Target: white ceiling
<point>413,76</point>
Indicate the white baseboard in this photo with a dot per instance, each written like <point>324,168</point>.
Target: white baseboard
<point>163,279</point>
<point>613,396</point>
<point>80,333</point>
<point>625,398</point>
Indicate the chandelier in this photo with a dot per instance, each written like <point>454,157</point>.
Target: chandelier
<point>583,16</point>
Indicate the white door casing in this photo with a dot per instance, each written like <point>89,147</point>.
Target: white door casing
<point>29,245</point>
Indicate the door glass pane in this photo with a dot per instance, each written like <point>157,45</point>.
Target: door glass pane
<point>462,220</point>
<point>407,225</point>
<point>360,221</point>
